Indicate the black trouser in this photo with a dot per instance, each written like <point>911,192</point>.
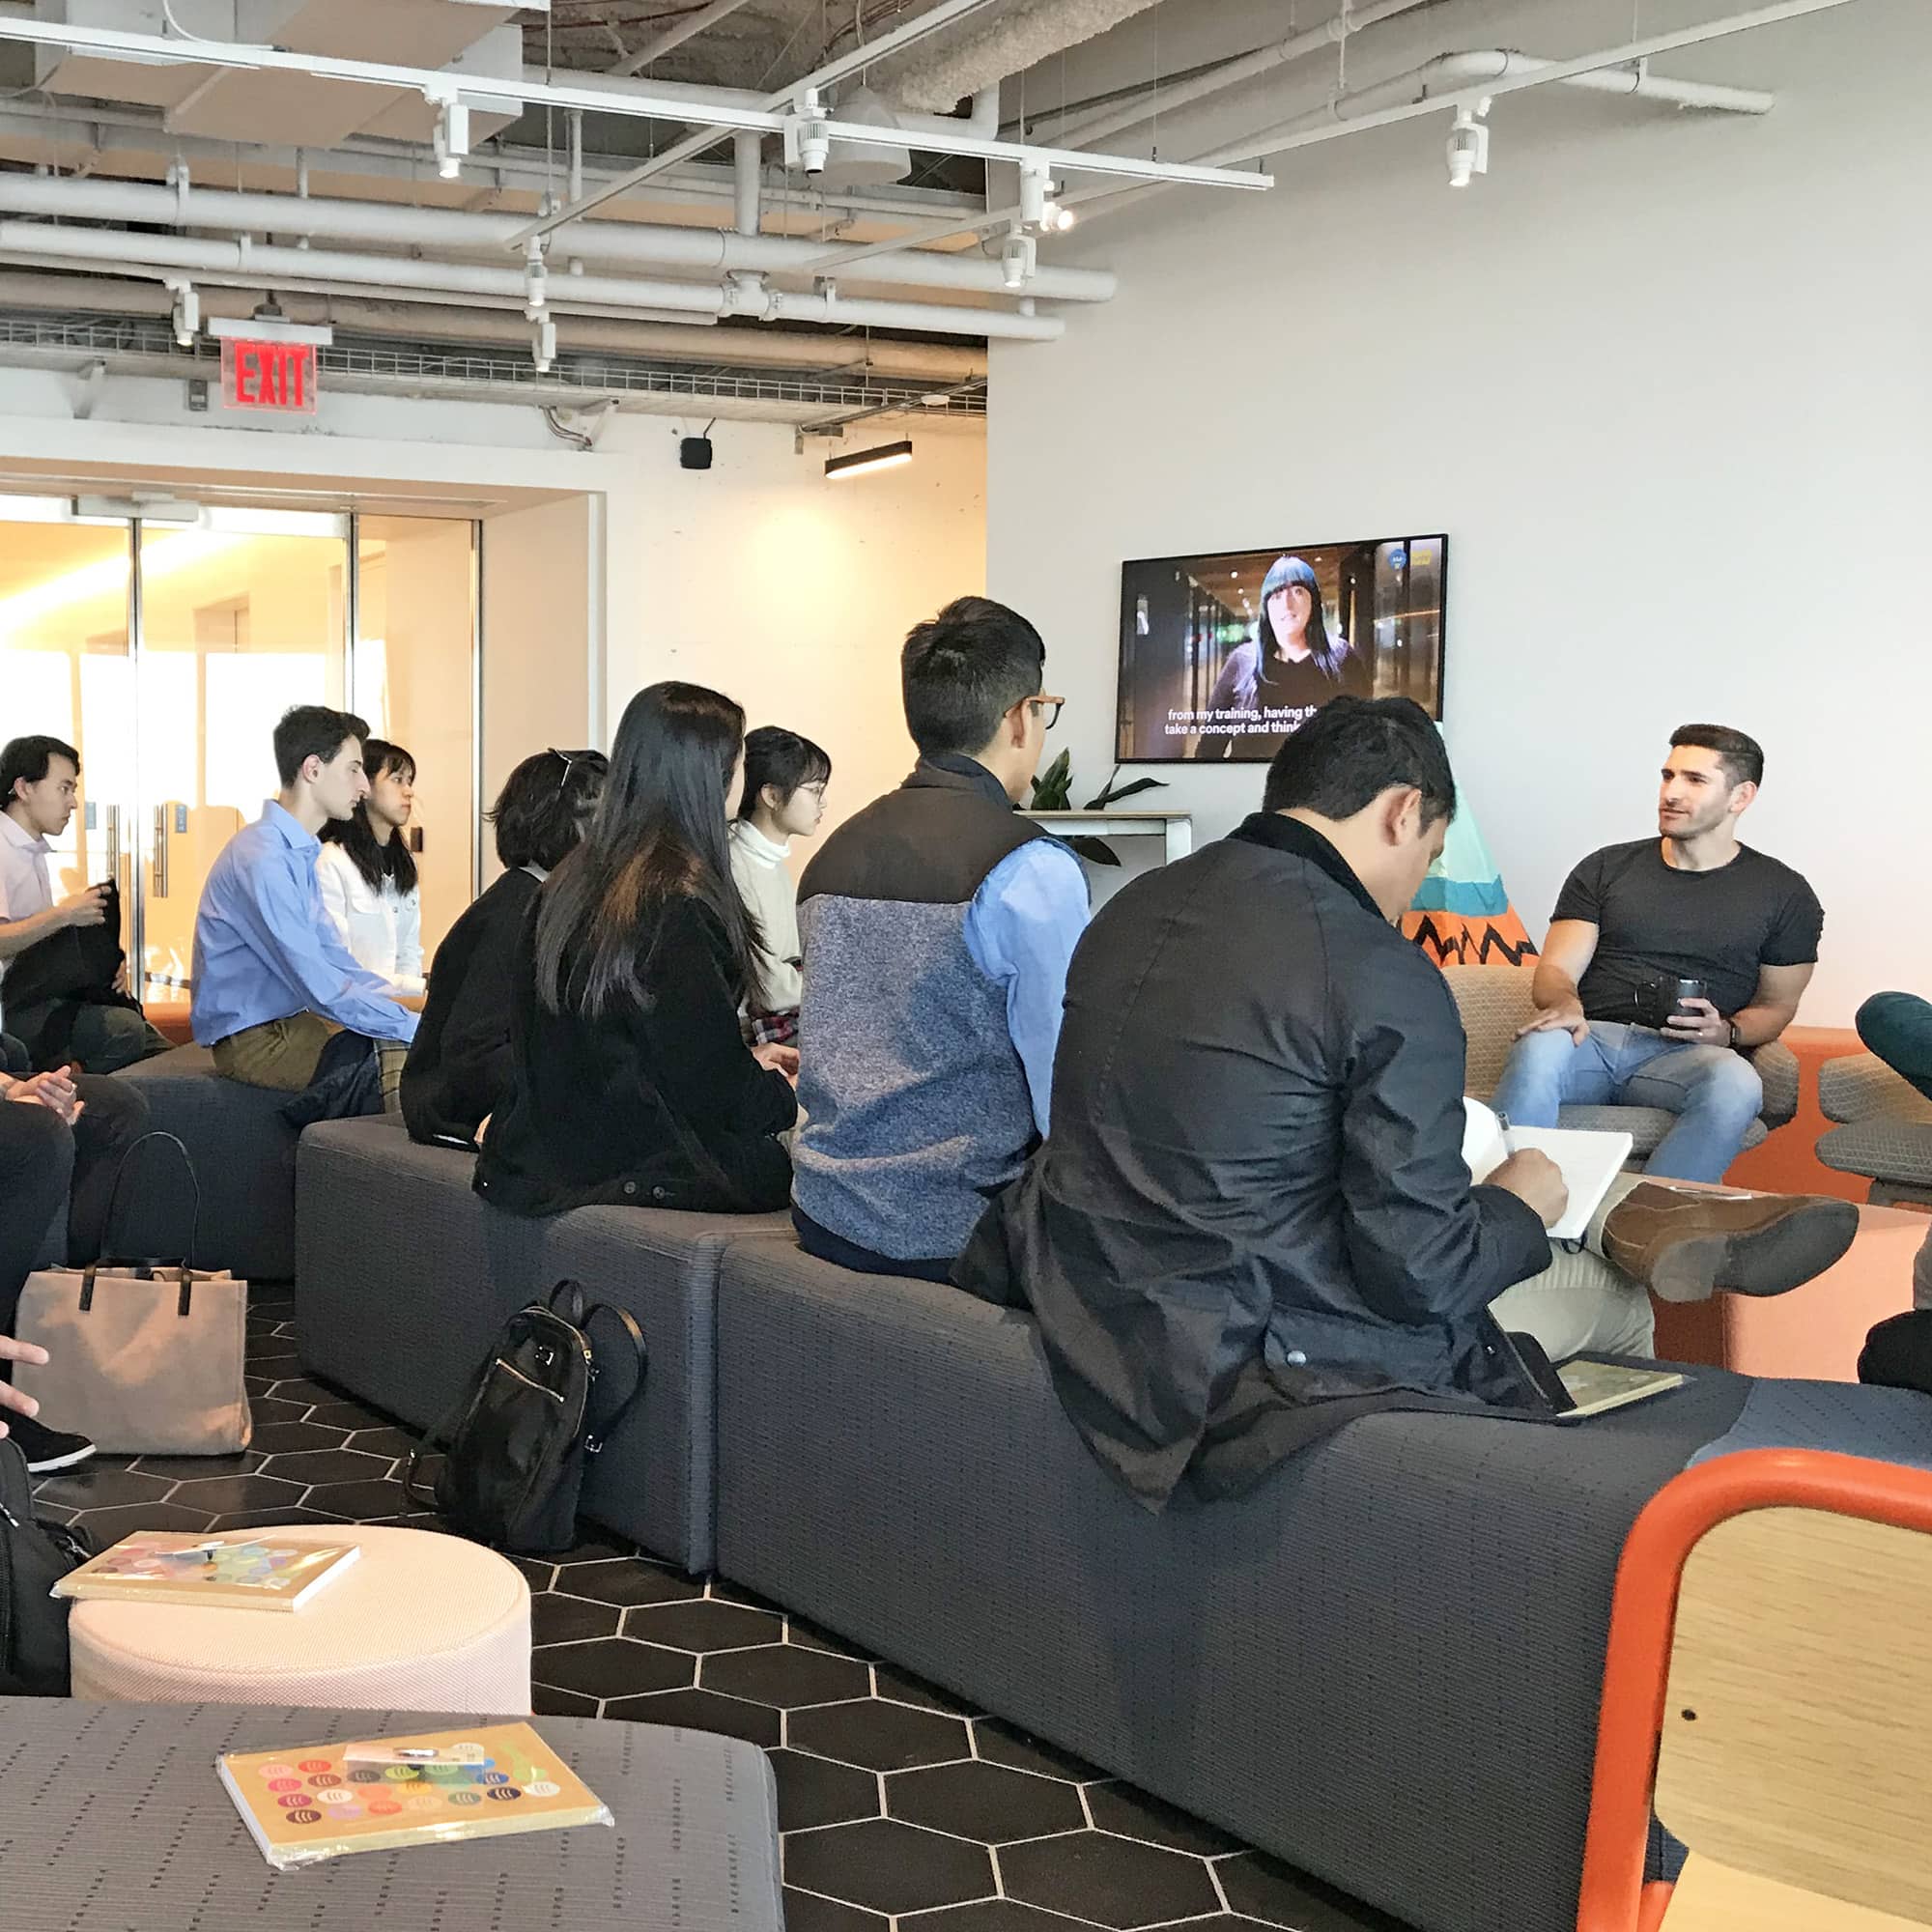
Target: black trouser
<point>43,1162</point>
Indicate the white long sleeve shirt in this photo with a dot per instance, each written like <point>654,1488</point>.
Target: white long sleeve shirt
<point>758,866</point>
<point>381,926</point>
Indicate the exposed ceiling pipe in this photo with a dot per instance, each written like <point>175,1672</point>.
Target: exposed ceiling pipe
<point>1086,129</point>
<point>660,44</point>
<point>1286,137</point>
<point>742,295</point>
<point>624,242</point>
<point>940,363</point>
<point>746,162</point>
<point>1017,38</point>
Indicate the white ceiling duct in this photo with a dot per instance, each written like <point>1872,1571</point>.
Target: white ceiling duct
<point>1006,40</point>
<point>847,164</point>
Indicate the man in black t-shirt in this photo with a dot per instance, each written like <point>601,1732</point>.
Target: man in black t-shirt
<point>1631,921</point>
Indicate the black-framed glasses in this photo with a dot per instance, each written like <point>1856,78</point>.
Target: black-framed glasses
<point>1042,702</point>
<point>596,760</point>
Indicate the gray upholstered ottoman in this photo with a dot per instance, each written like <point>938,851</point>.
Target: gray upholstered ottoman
<point>404,1276</point>
<point>1382,1664</point>
<point>111,1818</point>
<point>245,1158</point>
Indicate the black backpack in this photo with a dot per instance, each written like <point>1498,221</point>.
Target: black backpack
<point>545,1401</point>
<point>33,1557</point>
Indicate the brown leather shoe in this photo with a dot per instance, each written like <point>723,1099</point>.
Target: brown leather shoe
<point>1683,1243</point>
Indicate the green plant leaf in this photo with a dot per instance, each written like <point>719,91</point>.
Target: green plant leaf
<point>1110,796</point>
<point>1096,849</point>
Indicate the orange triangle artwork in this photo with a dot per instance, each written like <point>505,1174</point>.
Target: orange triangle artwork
<point>1461,914</point>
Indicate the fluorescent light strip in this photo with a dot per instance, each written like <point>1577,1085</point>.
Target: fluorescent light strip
<point>862,461</point>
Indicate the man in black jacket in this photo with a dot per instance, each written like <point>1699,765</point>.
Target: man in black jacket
<point>1252,1219</point>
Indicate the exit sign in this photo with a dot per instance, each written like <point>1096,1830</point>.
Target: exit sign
<point>265,375</point>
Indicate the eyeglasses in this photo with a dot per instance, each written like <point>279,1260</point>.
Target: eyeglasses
<point>1042,703</point>
<point>595,759</point>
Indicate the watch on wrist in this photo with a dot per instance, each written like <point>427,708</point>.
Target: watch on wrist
<point>1734,1040</point>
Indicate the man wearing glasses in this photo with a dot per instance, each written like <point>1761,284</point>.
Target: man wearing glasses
<point>937,925</point>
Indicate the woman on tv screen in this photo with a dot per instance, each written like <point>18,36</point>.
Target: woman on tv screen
<point>1292,666</point>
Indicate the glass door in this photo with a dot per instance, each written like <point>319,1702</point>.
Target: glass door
<point>238,618</point>
<point>67,670</point>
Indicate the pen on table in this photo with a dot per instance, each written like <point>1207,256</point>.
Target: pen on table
<point>1504,1121</point>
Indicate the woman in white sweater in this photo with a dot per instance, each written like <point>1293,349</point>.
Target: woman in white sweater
<point>368,875</point>
<point>783,799</point>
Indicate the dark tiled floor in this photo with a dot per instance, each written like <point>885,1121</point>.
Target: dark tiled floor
<point>902,1810</point>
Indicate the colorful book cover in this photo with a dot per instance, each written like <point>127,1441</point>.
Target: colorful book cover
<point>313,1802</point>
<point>228,1572</point>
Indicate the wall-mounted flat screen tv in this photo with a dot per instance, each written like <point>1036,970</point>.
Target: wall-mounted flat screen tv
<point>1225,656</point>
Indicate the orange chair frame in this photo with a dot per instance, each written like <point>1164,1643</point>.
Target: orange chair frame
<point>1643,1620</point>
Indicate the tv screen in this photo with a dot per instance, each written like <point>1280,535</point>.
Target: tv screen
<point>1225,656</point>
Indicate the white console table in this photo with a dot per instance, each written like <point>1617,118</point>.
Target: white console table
<point>1175,829</point>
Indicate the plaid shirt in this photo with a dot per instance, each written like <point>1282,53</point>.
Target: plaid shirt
<point>770,1029</point>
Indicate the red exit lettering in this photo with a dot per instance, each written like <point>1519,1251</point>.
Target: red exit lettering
<point>267,375</point>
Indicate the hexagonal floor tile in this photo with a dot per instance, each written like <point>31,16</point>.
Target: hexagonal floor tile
<point>813,1791</point>
<point>547,1703</point>
<point>330,1465</point>
<point>341,1414</point>
<point>227,1494</point>
<point>555,1619</point>
<point>704,1625</point>
<point>1116,1882</point>
<point>110,1525</point>
<point>270,1408</point>
<point>1133,1814</point>
<point>610,1666</point>
<point>289,1438</point>
<point>598,1547</point>
<point>273,1518</point>
<point>625,1581</point>
<point>779,1673</point>
<point>882,1865</point>
<point>298,1388</point>
<point>807,1912</point>
<point>902,1687</point>
<point>177,1468</point>
<point>701,1711</point>
<point>881,1737</point>
<point>388,1440</point>
<point>1006,1914</point>
<point>1003,1744</point>
<point>809,1636</point>
<point>101,1483</point>
<point>1262,1888</point>
<point>986,1802</point>
<point>360,1503</point>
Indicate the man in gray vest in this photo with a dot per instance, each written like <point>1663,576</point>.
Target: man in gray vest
<point>937,925</point>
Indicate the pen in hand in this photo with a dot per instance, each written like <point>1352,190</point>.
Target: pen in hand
<point>1504,1121</point>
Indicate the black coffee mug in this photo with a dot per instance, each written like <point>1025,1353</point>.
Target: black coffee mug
<point>1682,991</point>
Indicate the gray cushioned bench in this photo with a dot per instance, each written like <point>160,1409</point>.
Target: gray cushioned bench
<point>1382,1664</point>
<point>245,1159</point>
<point>112,1815</point>
<point>404,1276</point>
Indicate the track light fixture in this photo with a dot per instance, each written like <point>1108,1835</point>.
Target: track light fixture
<point>1468,145</point>
<point>862,461</point>
<point>1019,257</point>
<point>452,139</point>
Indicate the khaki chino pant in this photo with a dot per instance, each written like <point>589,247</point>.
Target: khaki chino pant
<point>284,1053</point>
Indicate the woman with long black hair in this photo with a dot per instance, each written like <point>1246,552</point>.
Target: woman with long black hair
<point>633,1083</point>
<point>1291,667</point>
<point>368,875</point>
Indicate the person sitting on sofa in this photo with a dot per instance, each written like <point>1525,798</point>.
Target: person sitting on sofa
<point>1632,919</point>
<point>460,1064</point>
<point>272,979</point>
<point>1252,1219</point>
<point>60,1140</point>
<point>1897,1027</point>
<point>937,926</point>
<point>368,874</point>
<point>633,1082</point>
<point>39,784</point>
<point>785,776</point>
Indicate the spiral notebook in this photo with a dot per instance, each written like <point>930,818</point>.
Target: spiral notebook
<point>1590,1161</point>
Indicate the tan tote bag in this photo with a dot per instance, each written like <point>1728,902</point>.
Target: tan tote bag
<point>144,1357</point>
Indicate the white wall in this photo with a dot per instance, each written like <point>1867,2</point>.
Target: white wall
<point>1666,379</point>
<point>793,593</point>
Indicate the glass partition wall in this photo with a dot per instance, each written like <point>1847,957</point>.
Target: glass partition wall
<point>166,651</point>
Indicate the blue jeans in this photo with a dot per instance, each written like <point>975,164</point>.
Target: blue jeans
<point>1897,1027</point>
<point>1715,1092</point>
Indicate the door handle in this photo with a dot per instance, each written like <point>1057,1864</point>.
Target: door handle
<point>161,851</point>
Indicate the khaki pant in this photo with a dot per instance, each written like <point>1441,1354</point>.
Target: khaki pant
<point>1580,1303</point>
<point>283,1055</point>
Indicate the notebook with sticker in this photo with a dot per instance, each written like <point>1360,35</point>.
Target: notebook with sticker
<point>314,1802</point>
<point>230,1572</point>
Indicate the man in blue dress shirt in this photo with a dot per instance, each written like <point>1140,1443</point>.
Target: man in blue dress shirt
<point>272,981</point>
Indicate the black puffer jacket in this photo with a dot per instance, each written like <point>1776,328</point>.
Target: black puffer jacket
<point>1251,1219</point>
